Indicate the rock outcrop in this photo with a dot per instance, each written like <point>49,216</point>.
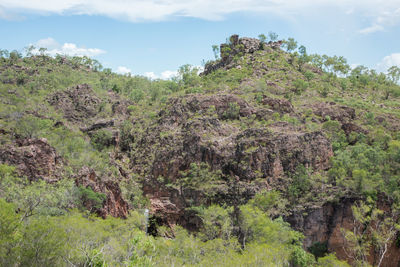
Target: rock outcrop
<point>280,105</point>
<point>77,103</point>
<point>114,203</point>
<point>237,46</point>
<point>324,224</point>
<point>342,114</point>
<point>98,125</point>
<point>182,137</point>
<point>33,158</point>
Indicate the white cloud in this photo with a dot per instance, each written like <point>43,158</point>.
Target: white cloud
<point>150,75</point>
<point>389,61</point>
<point>165,75</point>
<point>372,29</point>
<point>7,15</point>
<point>386,17</point>
<point>123,70</point>
<point>168,74</point>
<point>378,13</point>
<point>70,49</point>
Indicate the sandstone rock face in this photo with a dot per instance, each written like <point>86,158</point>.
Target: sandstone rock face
<point>279,105</point>
<point>237,46</point>
<point>114,204</point>
<point>335,112</point>
<point>182,109</point>
<point>323,224</point>
<point>349,128</point>
<point>182,137</point>
<point>250,45</point>
<point>34,158</point>
<point>98,125</point>
<point>77,103</point>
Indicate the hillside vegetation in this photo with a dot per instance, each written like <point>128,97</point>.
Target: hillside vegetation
<point>270,157</point>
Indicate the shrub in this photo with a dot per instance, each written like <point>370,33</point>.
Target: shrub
<point>309,75</point>
<point>91,200</point>
<point>232,113</point>
<point>101,139</point>
<point>300,86</point>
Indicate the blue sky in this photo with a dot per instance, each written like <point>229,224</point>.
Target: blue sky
<point>155,37</point>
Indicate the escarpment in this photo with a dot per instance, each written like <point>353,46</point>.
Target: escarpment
<point>280,133</point>
<point>259,157</point>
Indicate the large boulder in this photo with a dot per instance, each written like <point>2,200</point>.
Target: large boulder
<point>335,112</point>
<point>280,105</point>
<point>33,158</point>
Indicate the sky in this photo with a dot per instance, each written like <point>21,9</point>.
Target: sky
<point>155,37</point>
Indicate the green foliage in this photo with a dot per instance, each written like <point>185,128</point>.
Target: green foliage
<point>371,229</point>
<point>188,76</point>
<point>232,113</point>
<point>366,169</point>
<point>37,197</point>
<point>262,38</point>
<point>300,184</point>
<point>290,44</point>
<point>270,202</point>
<point>335,134</point>
<point>309,75</point>
<point>199,178</point>
<point>216,51</point>
<point>101,139</point>
<point>302,258</point>
<point>273,36</point>
<point>35,216</point>
<point>394,74</point>
<point>300,86</point>
<point>9,235</point>
<point>29,126</point>
<point>318,249</point>
<point>331,261</point>
<point>42,243</point>
<point>216,223</point>
<point>90,199</point>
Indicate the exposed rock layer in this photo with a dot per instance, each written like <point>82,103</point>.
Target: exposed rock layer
<point>34,158</point>
<point>114,204</point>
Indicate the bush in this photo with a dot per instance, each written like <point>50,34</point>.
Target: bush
<point>232,113</point>
<point>300,183</point>
<point>300,86</point>
<point>101,139</point>
<point>91,200</point>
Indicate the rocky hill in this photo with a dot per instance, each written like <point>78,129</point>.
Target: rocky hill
<point>301,138</point>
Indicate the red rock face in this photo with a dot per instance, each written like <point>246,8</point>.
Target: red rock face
<point>246,154</point>
<point>335,112</point>
<point>34,158</point>
<point>280,105</point>
<point>114,204</point>
<point>78,103</point>
<point>324,224</point>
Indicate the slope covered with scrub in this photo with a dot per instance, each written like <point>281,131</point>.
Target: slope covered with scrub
<point>270,157</point>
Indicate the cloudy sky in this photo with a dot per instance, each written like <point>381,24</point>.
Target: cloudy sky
<point>155,37</point>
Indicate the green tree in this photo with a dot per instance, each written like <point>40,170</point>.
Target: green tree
<point>188,76</point>
<point>216,51</point>
<point>372,228</point>
<point>272,36</point>
<point>394,74</point>
<point>303,57</point>
<point>9,234</point>
<point>43,243</point>
<point>290,44</point>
